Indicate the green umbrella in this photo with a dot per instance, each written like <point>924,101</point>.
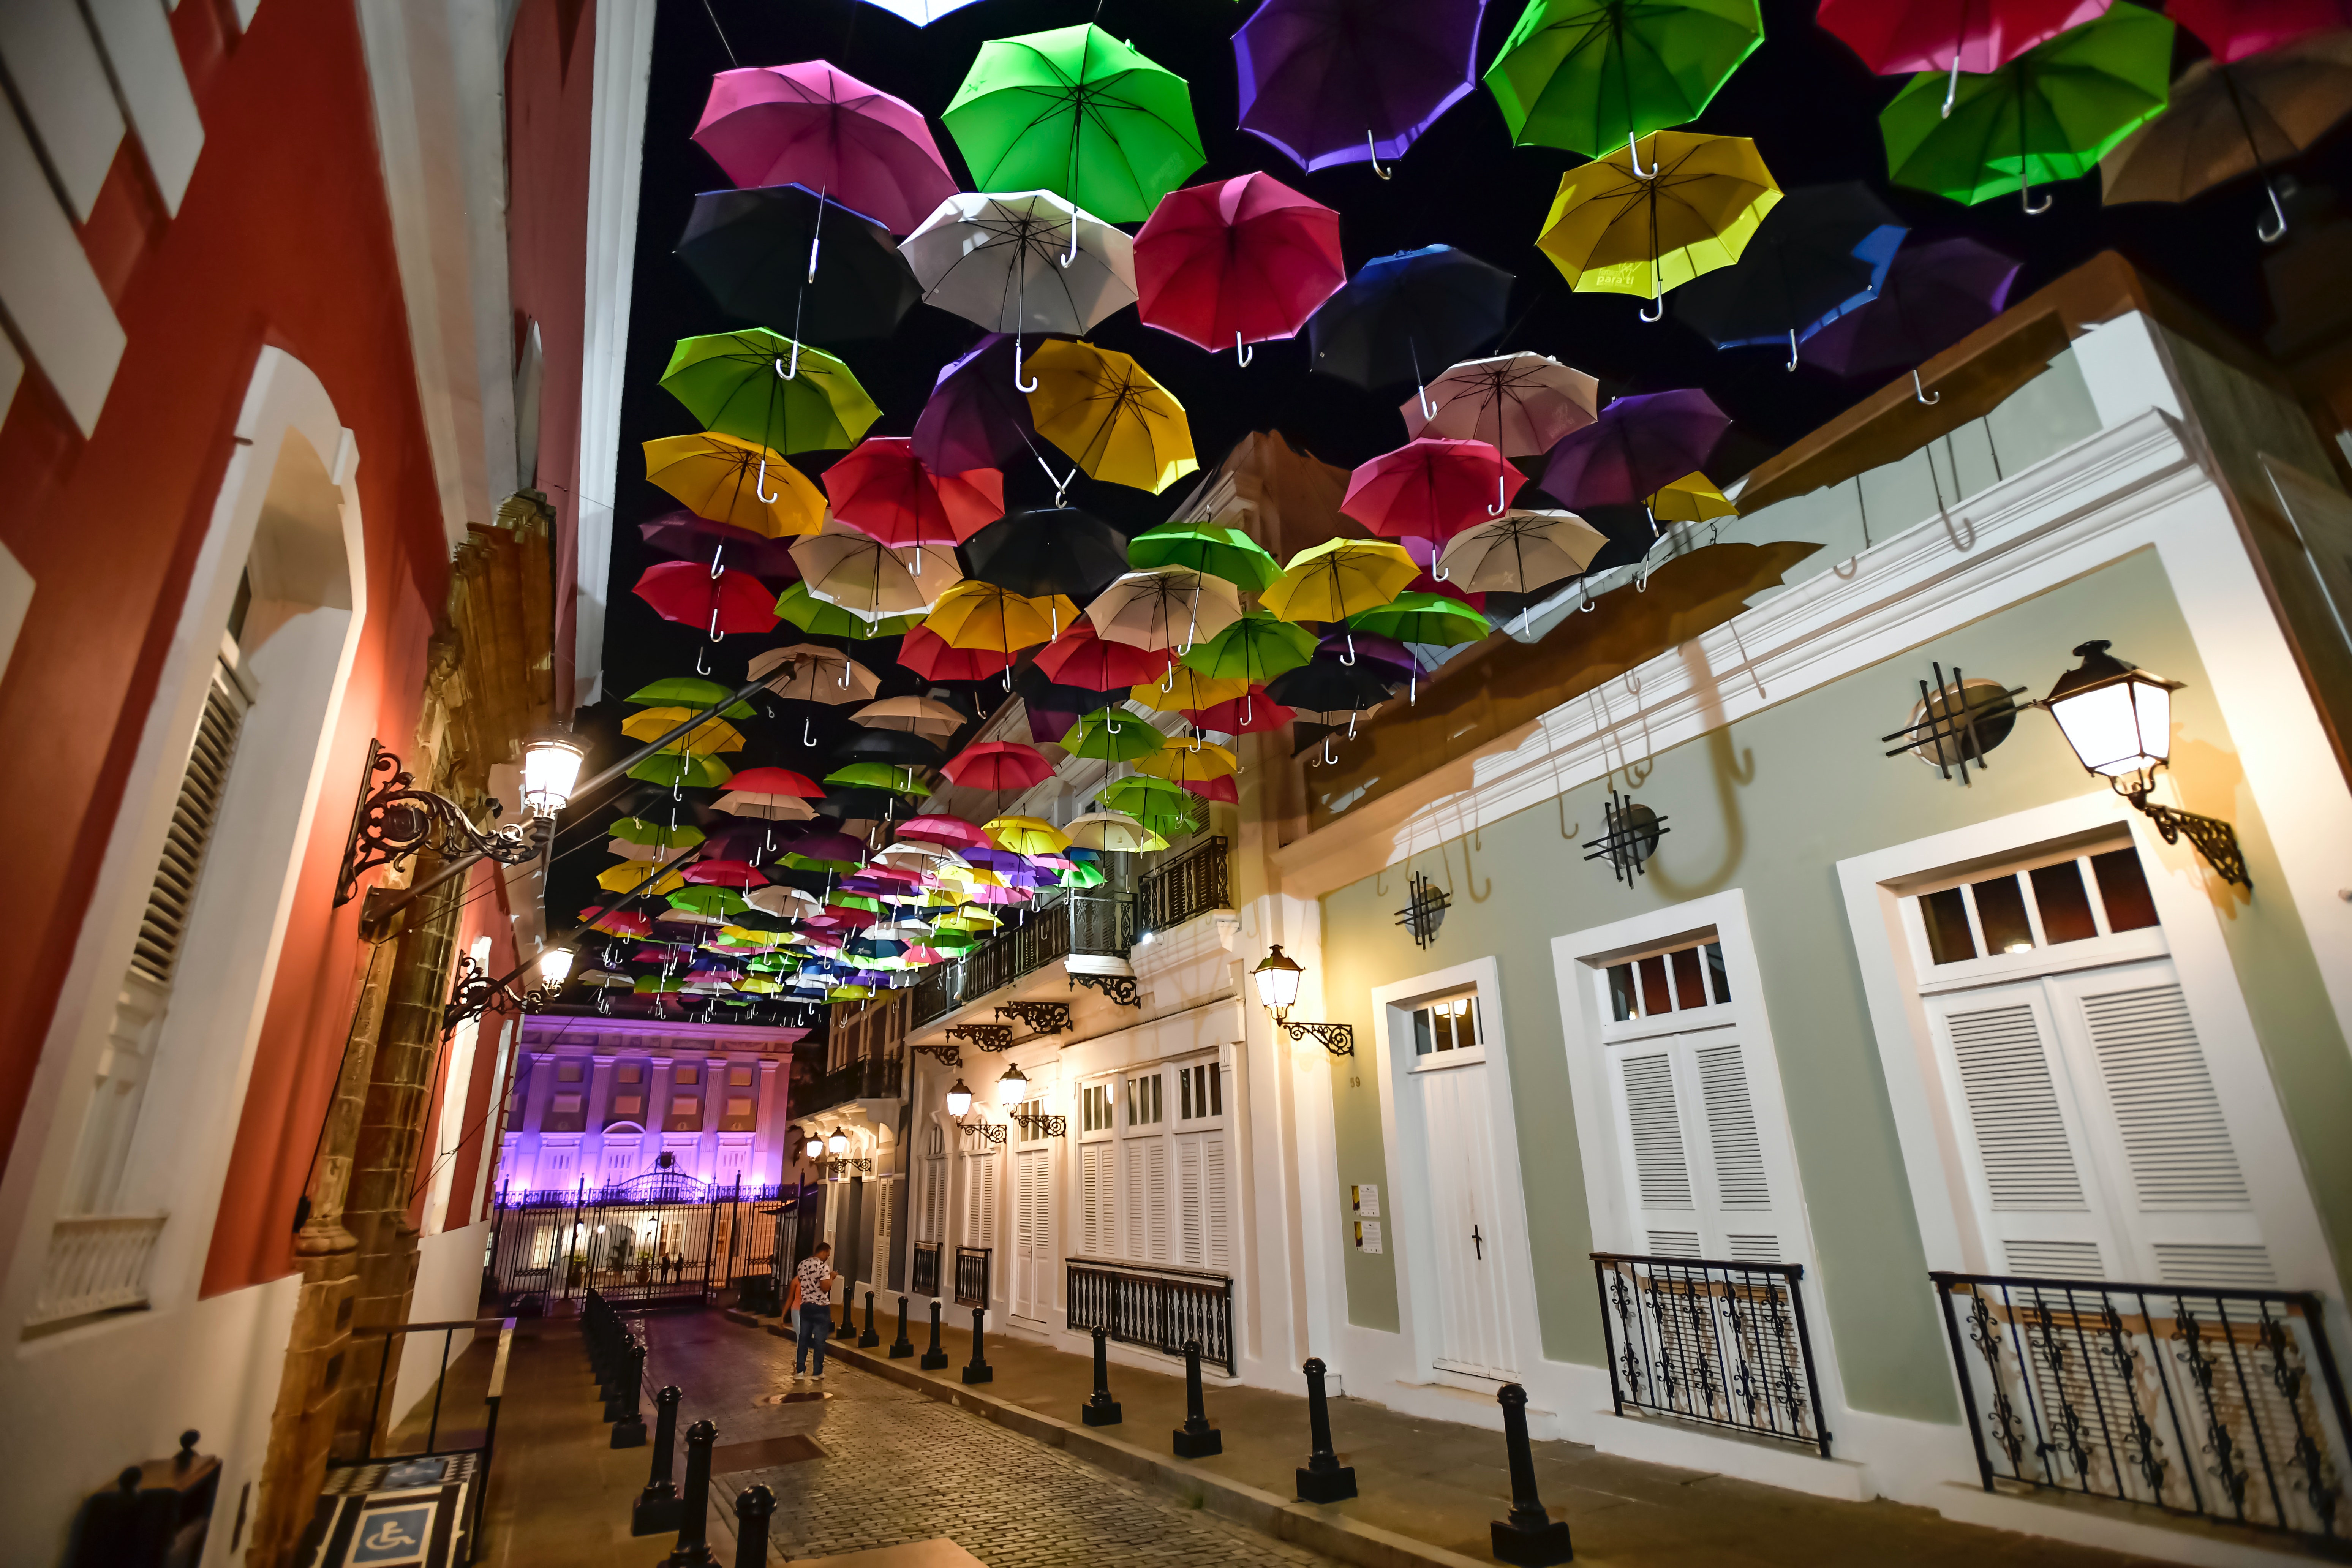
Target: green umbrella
<point>878,775</point>
<point>1256,648</point>
<point>2050,114</point>
<point>1111,735</point>
<point>1078,113</point>
<point>677,769</point>
<point>637,830</point>
<point>685,691</point>
<point>1082,875</point>
<point>1587,75</point>
<point>821,619</point>
<point>952,941</point>
<point>808,863</point>
<point>758,386</point>
<point>1209,547</point>
<point>650,984</point>
<point>1142,794</point>
<point>708,901</point>
<point>1425,618</point>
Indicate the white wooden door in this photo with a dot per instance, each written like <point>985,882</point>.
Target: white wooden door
<point>734,1163</point>
<point>1473,1335</point>
<point>1098,1178</point>
<point>1032,1234</point>
<point>1145,1237</point>
<point>980,1192</point>
<point>620,1161</point>
<point>559,1166</point>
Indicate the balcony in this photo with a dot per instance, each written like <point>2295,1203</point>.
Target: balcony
<point>873,1078</point>
<point>971,1266</point>
<point>1157,1308</point>
<point>924,1279</point>
<point>1186,885</point>
<point>1717,1344</point>
<point>1055,926</point>
<point>97,1263</point>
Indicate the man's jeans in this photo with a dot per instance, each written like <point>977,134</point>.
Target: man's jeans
<point>815,1328</point>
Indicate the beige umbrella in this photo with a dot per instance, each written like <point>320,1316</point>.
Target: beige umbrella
<point>1522,404</point>
<point>781,901</point>
<point>1167,608</point>
<point>628,851</point>
<point>869,578</point>
<point>1112,831</point>
<point>813,673</point>
<point>773,808</point>
<point>1520,550</point>
<point>916,715</point>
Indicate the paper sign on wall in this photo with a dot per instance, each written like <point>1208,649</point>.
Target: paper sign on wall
<point>1366,1200</point>
<point>1367,1235</point>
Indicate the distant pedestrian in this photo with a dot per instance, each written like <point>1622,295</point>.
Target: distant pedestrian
<point>813,1289</point>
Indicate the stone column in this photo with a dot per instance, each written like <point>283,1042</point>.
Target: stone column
<point>770,1150</point>
<point>599,1090</point>
<point>714,1100</point>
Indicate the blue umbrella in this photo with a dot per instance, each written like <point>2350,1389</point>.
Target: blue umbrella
<point>1822,251</point>
<point>1407,317</point>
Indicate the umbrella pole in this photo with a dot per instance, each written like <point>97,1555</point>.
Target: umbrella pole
<point>2266,234</point>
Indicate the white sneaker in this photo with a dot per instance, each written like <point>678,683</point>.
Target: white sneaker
<point>816,1377</point>
<point>800,1377</point>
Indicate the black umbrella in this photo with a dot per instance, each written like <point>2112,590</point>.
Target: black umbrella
<point>1327,686</point>
<point>1821,252</point>
<point>1039,692</point>
<point>1053,549</point>
<point>1408,315</point>
<point>895,746</point>
<point>751,249</point>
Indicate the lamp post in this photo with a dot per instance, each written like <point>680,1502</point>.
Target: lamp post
<point>1277,976</point>
<point>477,992</point>
<point>959,1100</point>
<point>2117,721</point>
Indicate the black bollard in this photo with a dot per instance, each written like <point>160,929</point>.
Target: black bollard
<point>693,1547</point>
<point>848,1329</point>
<point>1323,1479</point>
<point>629,1423</point>
<point>902,1346</point>
<point>869,1339</point>
<point>1100,1409</point>
<point>934,1358</point>
<point>1530,1536</point>
<point>655,1512</point>
<point>978,1370</point>
<point>754,1506</point>
<point>1196,1439</point>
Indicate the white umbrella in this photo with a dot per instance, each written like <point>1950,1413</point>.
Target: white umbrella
<point>1167,608</point>
<point>1023,261</point>
<point>922,13</point>
<point>1522,404</point>
<point>1114,831</point>
<point>812,672</point>
<point>781,901</point>
<point>869,578</point>
<point>1520,550</point>
<point>773,807</point>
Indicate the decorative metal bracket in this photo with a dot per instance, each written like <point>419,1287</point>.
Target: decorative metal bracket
<point>1120,988</point>
<point>989,1037</point>
<point>1424,909</point>
<point>986,1132</point>
<point>476,993</point>
<point>1951,728</point>
<point>392,820</point>
<point>840,1170</point>
<point>1043,1017</point>
<point>1340,1039</point>
<point>946,1055</point>
<point>1037,1124</point>
<point>2210,836</point>
<point>1632,837</point>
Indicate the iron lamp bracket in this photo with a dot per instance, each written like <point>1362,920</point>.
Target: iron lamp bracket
<point>986,1132</point>
<point>477,994</point>
<point>2210,836</point>
<point>1043,1017</point>
<point>393,819</point>
<point>989,1037</point>
<point>1040,1125</point>
<point>1340,1039</point>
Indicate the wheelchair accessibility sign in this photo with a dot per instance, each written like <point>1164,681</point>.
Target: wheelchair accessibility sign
<point>408,1527</point>
<point>390,1535</point>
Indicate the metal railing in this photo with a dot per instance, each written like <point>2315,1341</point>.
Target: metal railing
<point>924,1277</point>
<point>97,1263</point>
<point>1191,883</point>
<point>471,1461</point>
<point>1722,1344</point>
<point>972,1276</point>
<point>870,1077</point>
<point>1159,1309</point>
<point>1056,925</point>
<point>660,1238</point>
<point>2225,1405</point>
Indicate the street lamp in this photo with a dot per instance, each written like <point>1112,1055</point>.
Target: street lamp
<point>476,993</point>
<point>1012,1088</point>
<point>2117,719</point>
<point>959,1100</point>
<point>1277,975</point>
<point>838,1144</point>
<point>815,1147</point>
<point>550,767</point>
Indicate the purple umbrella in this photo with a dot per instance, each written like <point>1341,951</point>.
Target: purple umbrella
<point>831,847</point>
<point>1934,295</point>
<point>1386,653</point>
<point>1351,81</point>
<point>683,536</point>
<point>1048,725</point>
<point>1637,447</point>
<point>975,418</point>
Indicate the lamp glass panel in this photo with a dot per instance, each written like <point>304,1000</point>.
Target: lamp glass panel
<point>2103,726</point>
<point>837,1144</point>
<point>2155,704</point>
<point>555,965</point>
<point>1277,986</point>
<point>1012,1089</point>
<point>959,1102</point>
<point>550,770</point>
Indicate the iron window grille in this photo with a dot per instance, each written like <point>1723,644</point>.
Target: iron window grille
<point>1721,1345</point>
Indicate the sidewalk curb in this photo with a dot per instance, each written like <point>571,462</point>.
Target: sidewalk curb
<point>1284,1519</point>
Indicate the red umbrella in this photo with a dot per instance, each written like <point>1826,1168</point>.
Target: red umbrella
<point>725,874</point>
<point>810,124</point>
<point>686,592</point>
<point>884,490</point>
<point>928,655</point>
<point>775,781</point>
<point>1896,37</point>
<point>999,765</point>
<point>622,922</point>
<point>1079,657</point>
<point>1215,789</point>
<point>953,831</point>
<point>2233,29</point>
<point>1431,488</point>
<point>1236,261</point>
<point>1241,716</point>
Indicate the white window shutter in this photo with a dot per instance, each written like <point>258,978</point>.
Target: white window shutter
<point>1131,1240</point>
<point>1215,1206</point>
<point>1094,1198</point>
<point>1660,1166</point>
<point>1156,1200</point>
<point>1189,1239</point>
<point>1734,1144</point>
<point>2002,1051</point>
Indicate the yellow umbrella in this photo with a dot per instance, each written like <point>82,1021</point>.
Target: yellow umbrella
<point>634,877</point>
<point>730,481</point>
<point>979,615</point>
<point>1656,214</point>
<point>1025,836</point>
<point>1110,415</point>
<point>1189,761</point>
<point>1339,578</point>
<point>1186,691</point>
<point>710,736</point>
<point>1691,499</point>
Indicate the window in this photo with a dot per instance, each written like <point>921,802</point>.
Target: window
<point>567,1105</point>
<point>628,1106</point>
<point>568,1072</point>
<point>1095,1108</point>
<point>685,1076</point>
<point>629,1072</point>
<point>1034,1130</point>
<point>1680,980</point>
<point>2070,899</point>
<point>931,1215</point>
<point>1448,1024</point>
<point>1144,1101</point>
<point>1199,1092</point>
<point>738,1117</point>
<point>739,1075</point>
<point>685,1113</point>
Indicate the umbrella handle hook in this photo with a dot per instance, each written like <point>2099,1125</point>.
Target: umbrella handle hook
<point>1243,353</point>
<point>1350,659</point>
<point>1634,151</point>
<point>1793,348</point>
<point>1372,156</point>
<point>1328,757</point>
<point>717,553</point>
<point>1437,571</point>
<point>1502,501</point>
<point>1065,260</point>
<point>1353,714</point>
<point>760,486</point>
<point>1018,384</point>
<point>1919,390</point>
<point>2271,234</point>
<point>1586,608</point>
<point>715,634</point>
<point>808,732</point>
<point>1952,88</point>
<point>1249,700</point>
<point>1655,311</point>
<point>817,234</point>
<point>700,666</point>
<point>786,373</point>
<point>1412,687</point>
<point>2025,200</point>
<point>1428,409</point>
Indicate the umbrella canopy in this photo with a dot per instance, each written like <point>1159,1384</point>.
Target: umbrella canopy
<point>639,877</point>
<point>1520,550</point>
<point>682,536</point>
<point>677,770</point>
<point>690,690</point>
<point>1079,657</point>
<point>787,257</point>
<point>735,874</point>
<point>1587,75</point>
<point>764,804</point>
<point>1240,260</point>
<point>928,655</point>
<point>809,672</point>
<point>1691,499</point>
<point>1105,410</point>
<point>1430,487</point>
<point>1326,685</point>
<point>2050,114</point>
<point>1400,317</point>
<point>760,387</point>
<point>727,480</point>
<point>1079,113</point>
<point>953,831</point>
<point>1430,618</point>
<point>1164,608</point>
<point>1252,712</point>
<point>686,593</point>
<point>1143,795</point>
<point>1209,547</point>
<point>637,830</point>
<point>1690,209</point>
<point>1335,579</point>
<point>869,578</point>
<point>891,746</point>
<point>997,260</point>
<point>981,614</point>
<point>1182,760</point>
<point>1105,832</point>
<point>1935,294</point>
<point>884,489</point>
<point>2234,29</point>
<point>776,780</point>
<point>916,715</point>
<point>895,777</point>
<point>824,618</point>
<point>810,124</point>
<point>1637,446</point>
<point>1026,835</point>
<point>710,736</point>
<point>1347,81</point>
<point>999,765</point>
<point>1184,688</point>
<point>1253,649</point>
<point>1520,403</point>
<point>1948,36</point>
<point>1822,251</point>
<point>975,416</point>
<point>1111,735</point>
<point>1053,549</point>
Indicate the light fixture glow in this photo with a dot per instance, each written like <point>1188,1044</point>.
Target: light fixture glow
<point>1277,981</point>
<point>2118,718</point>
<point>550,767</point>
<point>555,965</point>
<point>837,1144</point>
<point>959,1100</point>
<point>815,1147</point>
<point>1012,1088</point>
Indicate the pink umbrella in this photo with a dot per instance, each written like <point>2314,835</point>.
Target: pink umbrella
<point>999,765</point>
<point>953,831</point>
<point>725,874</point>
<point>810,124</point>
<point>1431,488</point>
<point>1236,261</point>
<point>884,492</point>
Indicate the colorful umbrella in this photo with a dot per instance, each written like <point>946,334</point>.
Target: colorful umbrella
<point>1822,251</point>
<point>821,618</point>
<point>916,715</point>
<point>1254,712</point>
<point>712,735</point>
<point>690,690</point>
<point>1105,410</point>
<point>1107,832</point>
<point>891,746</point>
<point>975,417</point>
<point>736,874</point>
<point>1948,36</point>
<point>953,831</point>
<point>1078,658</point>
<point>727,480</point>
<point>809,672</point>
<point>1052,550</point>
<point>1691,499</point>
<point>1111,736</point>
<point>2234,29</point>
<point>683,592</point>
<point>1076,112</point>
<point>1026,835</point>
<point>928,655</point>
<point>884,489</point>
<point>788,259</point>
<point>1655,214</point>
<point>1935,294</point>
<point>981,614</point>
<point>637,830</point>
<point>1383,655</point>
<point>1638,446</point>
<point>777,780</point>
<point>677,770</point>
<point>639,877</point>
<point>1253,649</point>
<point>1142,796</point>
<point>708,901</point>
<point>1520,551</point>
<point>773,390</point>
<point>1400,317</point>
<point>1326,686</point>
<point>999,765</point>
<point>869,578</point>
<point>1345,82</point>
<point>1239,261</point>
<point>1184,689</point>
<point>1430,618</point>
<point>1430,487</point>
<point>1338,578</point>
<point>1180,760</point>
<point>2050,114</point>
<point>897,778</point>
<point>998,261</point>
<point>1521,404</point>
<point>683,536</point>
<point>1167,608</point>
<point>1589,74</point>
<point>764,804</point>
<point>810,124</point>
<point>1209,547</point>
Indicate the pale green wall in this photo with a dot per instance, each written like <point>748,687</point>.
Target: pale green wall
<point>1769,806</point>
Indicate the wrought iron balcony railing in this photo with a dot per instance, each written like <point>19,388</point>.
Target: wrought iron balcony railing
<point>1191,883</point>
<point>1159,1309</point>
<point>871,1077</point>
<point>1722,1344</point>
<point>972,1276</point>
<point>2225,1405</point>
<point>924,1278</point>
<point>1056,925</point>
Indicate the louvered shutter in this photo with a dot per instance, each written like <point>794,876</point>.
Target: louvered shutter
<point>202,784</point>
<point>1190,1241</point>
<point>1661,1184</point>
<point>1215,1205</point>
<point>989,1165</point>
<point>1156,1197</point>
<point>1704,1172</point>
<point>1094,1198</point>
<point>1131,1237</point>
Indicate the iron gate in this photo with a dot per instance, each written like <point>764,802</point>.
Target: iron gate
<point>658,1239</point>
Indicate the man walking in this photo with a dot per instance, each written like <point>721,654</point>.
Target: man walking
<point>813,1283</point>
